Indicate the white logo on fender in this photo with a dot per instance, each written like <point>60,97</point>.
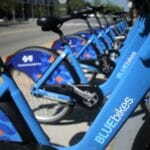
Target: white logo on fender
<point>27,59</point>
<point>125,65</point>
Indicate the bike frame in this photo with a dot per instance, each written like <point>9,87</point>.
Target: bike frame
<point>94,38</point>
<point>126,59</point>
<point>107,87</point>
<point>107,32</point>
<point>121,104</point>
<point>113,80</point>
<point>123,101</point>
<point>66,53</point>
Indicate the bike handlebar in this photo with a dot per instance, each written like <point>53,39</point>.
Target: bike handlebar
<point>54,23</point>
<point>103,9</point>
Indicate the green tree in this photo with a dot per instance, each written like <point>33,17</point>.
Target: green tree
<point>112,7</point>
<point>8,7</point>
<point>96,2</point>
<point>87,4</point>
<point>56,9</point>
<point>75,5</point>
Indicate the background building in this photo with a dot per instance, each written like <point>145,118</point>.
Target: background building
<point>34,8</point>
<point>25,9</point>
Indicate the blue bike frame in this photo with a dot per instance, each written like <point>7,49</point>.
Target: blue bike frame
<point>127,95</point>
<point>125,98</point>
<point>122,66</point>
<point>7,84</point>
<point>94,39</point>
<point>127,57</point>
<point>67,52</point>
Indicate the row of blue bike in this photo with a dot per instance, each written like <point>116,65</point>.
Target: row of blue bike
<point>54,80</point>
<point>66,74</point>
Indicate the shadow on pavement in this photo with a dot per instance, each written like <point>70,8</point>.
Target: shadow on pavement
<point>76,138</point>
<point>79,115</point>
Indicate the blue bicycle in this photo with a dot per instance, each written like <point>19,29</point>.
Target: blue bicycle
<point>59,85</point>
<point>90,47</point>
<point>53,87</point>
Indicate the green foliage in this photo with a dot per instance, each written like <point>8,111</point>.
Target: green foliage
<point>112,7</point>
<point>87,4</point>
<point>96,2</point>
<point>75,5</point>
<point>56,9</point>
<point>42,11</point>
<point>7,5</point>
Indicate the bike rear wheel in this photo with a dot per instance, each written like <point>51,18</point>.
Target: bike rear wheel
<point>26,75</point>
<point>45,110</point>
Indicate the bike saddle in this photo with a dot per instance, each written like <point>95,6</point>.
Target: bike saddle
<point>52,22</point>
<point>22,146</point>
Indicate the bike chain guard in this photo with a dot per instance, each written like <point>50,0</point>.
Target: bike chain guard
<point>87,95</point>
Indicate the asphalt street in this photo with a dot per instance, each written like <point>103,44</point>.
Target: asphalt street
<point>16,37</point>
<point>73,127</point>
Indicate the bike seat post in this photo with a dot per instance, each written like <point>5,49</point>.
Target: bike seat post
<point>105,19</point>
<point>89,26</point>
<point>62,36</point>
<point>2,66</point>
<point>98,21</point>
<point>1,62</point>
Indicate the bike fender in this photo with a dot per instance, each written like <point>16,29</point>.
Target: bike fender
<point>76,43</point>
<point>35,62</point>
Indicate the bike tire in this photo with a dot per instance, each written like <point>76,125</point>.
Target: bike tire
<point>142,139</point>
<point>39,105</point>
